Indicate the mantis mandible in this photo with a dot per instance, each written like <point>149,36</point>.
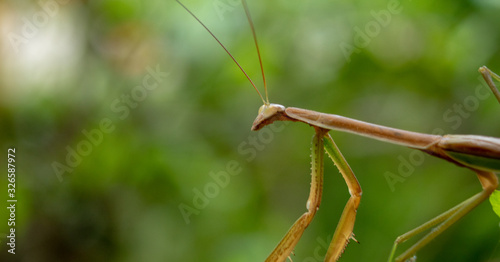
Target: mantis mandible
<point>480,154</point>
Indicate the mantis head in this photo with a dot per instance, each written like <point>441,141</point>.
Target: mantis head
<point>268,113</point>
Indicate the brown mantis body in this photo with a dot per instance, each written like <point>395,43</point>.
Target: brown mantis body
<point>479,154</point>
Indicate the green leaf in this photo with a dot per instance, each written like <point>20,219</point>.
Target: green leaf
<point>495,201</point>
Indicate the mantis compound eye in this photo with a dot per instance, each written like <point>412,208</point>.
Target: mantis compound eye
<point>261,109</point>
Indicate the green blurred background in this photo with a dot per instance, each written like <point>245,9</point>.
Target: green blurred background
<point>141,187</point>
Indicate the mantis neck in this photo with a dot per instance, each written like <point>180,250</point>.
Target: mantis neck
<point>383,133</point>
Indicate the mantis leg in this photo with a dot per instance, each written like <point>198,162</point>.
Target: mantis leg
<point>343,232</point>
<point>287,244</point>
<point>488,180</point>
<point>487,74</point>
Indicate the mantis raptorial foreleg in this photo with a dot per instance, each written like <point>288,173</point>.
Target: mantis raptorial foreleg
<point>344,229</point>
<point>346,224</point>
<point>287,244</point>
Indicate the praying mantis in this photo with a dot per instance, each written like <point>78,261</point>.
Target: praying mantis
<point>480,154</point>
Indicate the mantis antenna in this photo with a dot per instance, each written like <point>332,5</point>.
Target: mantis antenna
<point>266,102</point>
<point>250,22</point>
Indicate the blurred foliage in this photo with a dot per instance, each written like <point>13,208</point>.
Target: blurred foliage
<point>76,77</point>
